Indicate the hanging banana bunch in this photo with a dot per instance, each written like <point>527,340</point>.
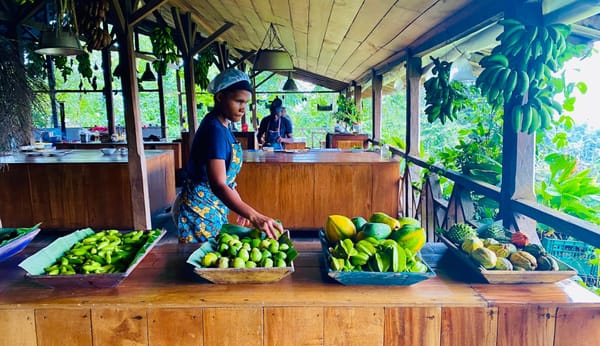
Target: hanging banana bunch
<point>202,63</point>
<point>443,99</point>
<point>91,22</point>
<point>517,71</point>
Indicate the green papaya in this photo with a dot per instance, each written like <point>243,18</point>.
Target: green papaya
<point>376,230</point>
<point>358,222</point>
<point>379,217</point>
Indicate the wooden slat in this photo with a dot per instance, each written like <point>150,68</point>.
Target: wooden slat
<point>293,326</point>
<point>577,326</point>
<point>353,326</point>
<point>58,327</point>
<point>469,326</point>
<point>228,326</point>
<point>175,326</point>
<point>526,325</point>
<point>351,186</point>
<point>120,326</point>
<point>299,13</point>
<point>17,327</point>
<point>413,326</point>
<point>319,12</point>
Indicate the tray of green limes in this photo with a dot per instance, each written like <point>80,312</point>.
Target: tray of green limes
<point>244,255</point>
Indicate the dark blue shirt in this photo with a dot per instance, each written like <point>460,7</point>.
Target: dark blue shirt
<point>212,141</point>
<point>270,124</point>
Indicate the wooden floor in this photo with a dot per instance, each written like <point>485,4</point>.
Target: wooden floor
<point>163,302</point>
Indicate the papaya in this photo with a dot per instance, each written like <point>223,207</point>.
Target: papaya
<point>409,221</point>
<point>376,230</point>
<point>413,241</point>
<point>339,227</point>
<point>358,222</point>
<point>380,217</point>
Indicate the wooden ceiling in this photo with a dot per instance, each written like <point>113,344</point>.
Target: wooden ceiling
<point>335,39</point>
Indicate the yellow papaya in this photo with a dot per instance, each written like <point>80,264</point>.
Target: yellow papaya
<point>379,217</point>
<point>339,227</point>
<point>412,240</point>
<point>408,221</point>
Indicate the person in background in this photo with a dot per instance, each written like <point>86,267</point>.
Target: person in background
<point>209,192</point>
<point>275,129</point>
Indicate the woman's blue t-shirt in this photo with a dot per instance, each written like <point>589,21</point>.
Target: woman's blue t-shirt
<point>212,141</point>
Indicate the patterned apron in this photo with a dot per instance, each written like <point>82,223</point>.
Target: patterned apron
<point>198,213</point>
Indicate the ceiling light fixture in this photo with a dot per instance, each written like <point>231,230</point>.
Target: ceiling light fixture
<point>148,75</point>
<point>290,84</point>
<point>272,55</point>
<point>61,38</point>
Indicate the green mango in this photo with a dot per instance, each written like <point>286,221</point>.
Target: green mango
<point>358,222</point>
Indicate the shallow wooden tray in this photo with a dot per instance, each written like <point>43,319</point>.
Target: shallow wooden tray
<point>509,276</point>
<point>237,275</point>
<point>93,280</point>
<point>371,278</point>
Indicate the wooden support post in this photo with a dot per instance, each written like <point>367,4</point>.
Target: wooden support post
<point>161,102</point>
<point>518,148</point>
<point>357,97</point>
<point>186,29</point>
<point>377,86</point>
<point>138,178</point>
<point>413,131</point>
<point>108,91</point>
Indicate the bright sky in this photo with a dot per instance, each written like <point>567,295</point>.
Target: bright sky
<point>587,107</point>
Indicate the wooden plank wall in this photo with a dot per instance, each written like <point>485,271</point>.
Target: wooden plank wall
<point>289,325</point>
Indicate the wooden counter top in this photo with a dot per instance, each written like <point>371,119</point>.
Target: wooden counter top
<point>75,156</point>
<point>163,303</point>
<point>334,156</point>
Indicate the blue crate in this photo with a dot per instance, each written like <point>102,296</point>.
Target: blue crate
<point>575,253</point>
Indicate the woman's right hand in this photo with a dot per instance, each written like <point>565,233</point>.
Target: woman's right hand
<point>270,226</point>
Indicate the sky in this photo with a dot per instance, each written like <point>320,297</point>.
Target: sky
<point>587,106</point>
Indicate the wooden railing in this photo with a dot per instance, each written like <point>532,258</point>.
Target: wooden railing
<point>422,198</point>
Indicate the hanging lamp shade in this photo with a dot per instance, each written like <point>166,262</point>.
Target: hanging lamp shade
<point>59,42</point>
<point>272,55</point>
<point>462,70</point>
<point>148,75</point>
<point>290,84</point>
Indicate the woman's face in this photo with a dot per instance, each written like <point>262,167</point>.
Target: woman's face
<point>233,104</point>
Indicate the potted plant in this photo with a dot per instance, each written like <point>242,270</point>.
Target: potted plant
<point>348,114</point>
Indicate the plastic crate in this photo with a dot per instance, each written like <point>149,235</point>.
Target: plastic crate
<point>575,253</point>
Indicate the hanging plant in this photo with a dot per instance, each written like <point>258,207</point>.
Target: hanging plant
<point>163,47</point>
<point>443,98</point>
<point>62,64</point>
<point>202,63</point>
<point>347,112</point>
<point>84,66</point>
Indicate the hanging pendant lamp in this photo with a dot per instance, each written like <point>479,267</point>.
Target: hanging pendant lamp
<point>148,75</point>
<point>61,38</point>
<point>290,84</point>
<point>272,55</point>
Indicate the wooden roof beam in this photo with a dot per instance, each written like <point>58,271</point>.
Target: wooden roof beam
<point>210,39</point>
<point>143,12</point>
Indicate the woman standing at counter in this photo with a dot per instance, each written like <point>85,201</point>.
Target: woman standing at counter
<point>215,160</point>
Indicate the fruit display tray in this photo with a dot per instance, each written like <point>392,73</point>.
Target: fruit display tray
<point>56,249</point>
<point>509,276</point>
<point>15,245</point>
<point>236,275</point>
<point>371,278</point>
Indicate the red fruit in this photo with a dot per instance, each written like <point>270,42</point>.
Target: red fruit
<point>519,239</point>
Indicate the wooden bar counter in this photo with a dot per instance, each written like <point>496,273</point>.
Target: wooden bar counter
<point>303,187</point>
<point>163,303</point>
<point>81,189</point>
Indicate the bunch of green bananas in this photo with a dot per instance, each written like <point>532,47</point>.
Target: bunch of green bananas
<point>517,71</point>
<point>443,99</point>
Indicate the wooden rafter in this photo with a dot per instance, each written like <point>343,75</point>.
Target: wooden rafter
<point>210,39</point>
<point>143,12</point>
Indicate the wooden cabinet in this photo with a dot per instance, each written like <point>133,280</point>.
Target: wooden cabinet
<point>80,189</point>
<point>346,141</point>
<point>246,139</point>
<point>302,189</point>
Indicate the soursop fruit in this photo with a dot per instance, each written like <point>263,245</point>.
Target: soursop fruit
<point>458,232</point>
<point>494,231</point>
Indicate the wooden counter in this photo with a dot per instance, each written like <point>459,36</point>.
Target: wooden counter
<point>175,146</point>
<point>346,140</point>
<point>303,188</point>
<point>81,189</point>
<point>162,303</point>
